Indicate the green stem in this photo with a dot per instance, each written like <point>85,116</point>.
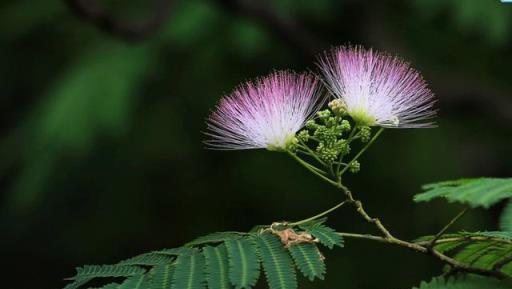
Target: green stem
<point>361,152</point>
<point>312,169</point>
<point>312,153</point>
<point>318,215</point>
<point>349,140</point>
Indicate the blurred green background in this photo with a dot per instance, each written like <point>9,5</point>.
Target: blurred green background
<point>101,146</point>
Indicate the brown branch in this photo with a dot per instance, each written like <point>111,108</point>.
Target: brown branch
<point>456,265</point>
<point>465,238</point>
<point>425,248</point>
<point>94,12</point>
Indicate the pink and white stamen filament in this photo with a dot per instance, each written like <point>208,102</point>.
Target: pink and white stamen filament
<point>378,89</point>
<point>265,113</point>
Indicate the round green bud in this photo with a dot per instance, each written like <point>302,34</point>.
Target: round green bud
<point>303,136</point>
<point>331,121</point>
<point>342,147</point>
<point>311,124</point>
<point>326,153</point>
<point>291,144</point>
<point>345,125</point>
<point>365,133</point>
<point>324,114</point>
<point>355,166</point>
<point>338,107</point>
<point>325,134</point>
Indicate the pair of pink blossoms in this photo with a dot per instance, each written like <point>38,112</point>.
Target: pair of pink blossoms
<point>376,89</point>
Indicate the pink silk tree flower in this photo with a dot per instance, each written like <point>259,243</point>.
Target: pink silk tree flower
<point>264,113</point>
<point>378,89</point>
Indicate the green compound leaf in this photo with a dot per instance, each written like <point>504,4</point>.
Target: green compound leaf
<point>506,218</point>
<point>277,264</point>
<point>309,260</point>
<point>162,276</point>
<point>482,192</point>
<point>327,236</point>
<point>77,283</point>
<point>217,237</point>
<point>174,251</point>
<point>135,282</point>
<point>189,272</point>
<point>149,259</point>
<point>109,286</point>
<point>96,271</point>
<point>217,267</point>
<point>486,250</point>
<point>470,282</point>
<point>244,266</point>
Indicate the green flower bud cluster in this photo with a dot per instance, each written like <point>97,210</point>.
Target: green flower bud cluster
<point>333,136</point>
<point>338,107</point>
<point>355,166</point>
<point>365,133</point>
<point>328,131</point>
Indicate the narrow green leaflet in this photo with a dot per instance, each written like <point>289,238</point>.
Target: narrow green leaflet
<point>174,251</point>
<point>189,272</point>
<point>277,264</point>
<point>217,267</point>
<point>244,266</point>
<point>506,218</point>
<point>108,286</point>
<point>470,282</point>
<point>327,236</point>
<point>77,283</point>
<point>94,271</point>
<point>217,237</point>
<point>486,250</point>
<point>309,260</point>
<point>482,192</point>
<point>149,259</point>
<point>162,276</point>
<point>135,282</point>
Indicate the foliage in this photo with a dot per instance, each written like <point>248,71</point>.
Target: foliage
<point>219,261</point>
<point>487,250</point>
<point>506,218</point>
<point>482,192</point>
<point>470,282</point>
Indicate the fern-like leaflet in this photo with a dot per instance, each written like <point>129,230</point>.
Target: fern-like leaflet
<point>219,261</point>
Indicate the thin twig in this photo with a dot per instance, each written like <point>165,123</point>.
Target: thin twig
<point>360,209</point>
<point>459,266</point>
<point>361,152</point>
<point>464,238</point>
<point>318,215</point>
<point>445,228</point>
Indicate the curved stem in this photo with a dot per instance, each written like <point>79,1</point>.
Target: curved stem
<point>311,168</point>
<point>318,215</point>
<point>445,228</point>
<point>349,140</point>
<point>360,209</point>
<point>361,152</point>
<point>429,251</point>
<point>422,247</point>
<point>311,153</point>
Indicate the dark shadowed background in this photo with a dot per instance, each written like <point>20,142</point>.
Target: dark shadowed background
<point>103,104</point>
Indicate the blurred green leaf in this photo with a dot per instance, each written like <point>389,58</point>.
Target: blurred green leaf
<point>93,99</point>
<point>481,192</point>
<point>469,282</point>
